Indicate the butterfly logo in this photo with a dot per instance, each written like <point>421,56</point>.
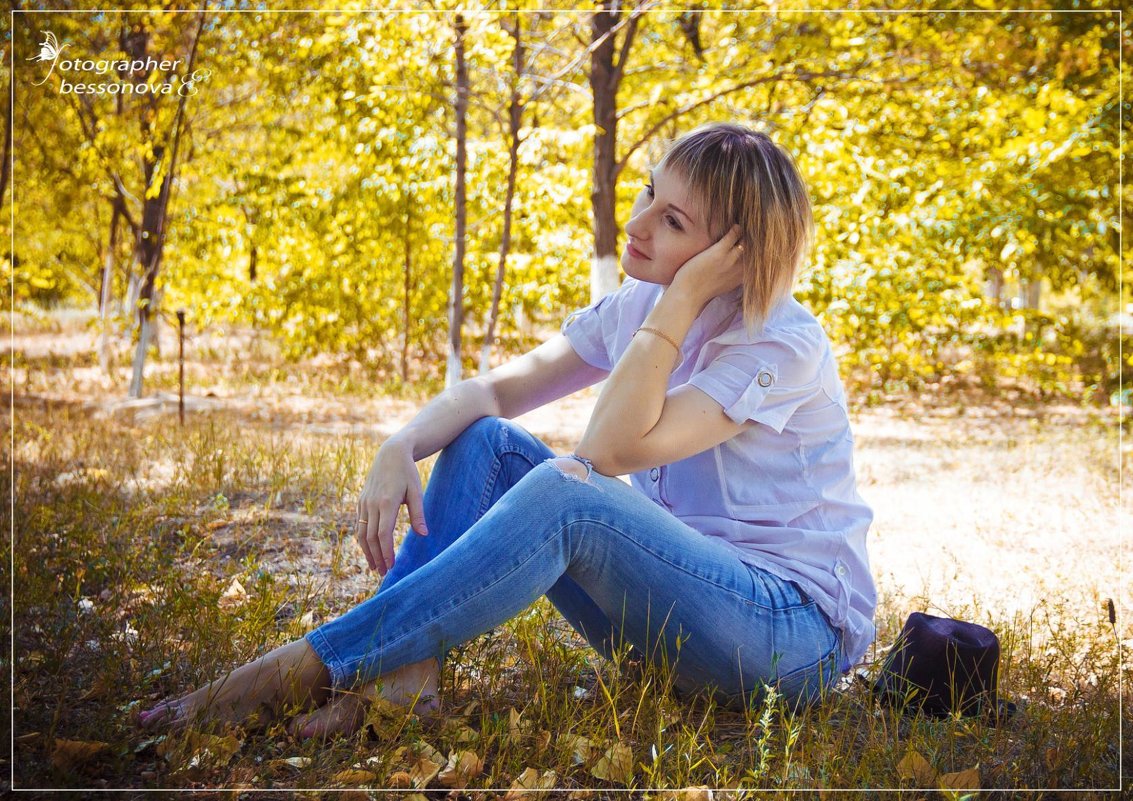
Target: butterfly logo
<point>49,50</point>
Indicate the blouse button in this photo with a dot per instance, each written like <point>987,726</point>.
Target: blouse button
<point>764,378</point>
<point>840,570</point>
<point>654,473</point>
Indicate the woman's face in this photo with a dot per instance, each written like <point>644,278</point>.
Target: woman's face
<point>667,227</point>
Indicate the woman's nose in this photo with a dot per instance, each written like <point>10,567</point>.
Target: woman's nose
<point>638,227</point>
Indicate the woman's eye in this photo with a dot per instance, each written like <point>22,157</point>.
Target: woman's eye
<point>673,222</point>
<point>649,190</point>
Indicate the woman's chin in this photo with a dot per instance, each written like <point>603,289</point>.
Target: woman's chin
<point>639,270</point>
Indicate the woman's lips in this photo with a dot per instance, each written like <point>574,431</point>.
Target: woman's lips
<point>637,254</point>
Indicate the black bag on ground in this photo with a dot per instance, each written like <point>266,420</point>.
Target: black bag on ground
<point>940,666</point>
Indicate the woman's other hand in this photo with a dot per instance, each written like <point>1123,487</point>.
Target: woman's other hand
<point>547,373</point>
<point>716,270</point>
<point>393,481</point>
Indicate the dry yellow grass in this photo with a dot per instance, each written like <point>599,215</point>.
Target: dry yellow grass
<point>130,532</point>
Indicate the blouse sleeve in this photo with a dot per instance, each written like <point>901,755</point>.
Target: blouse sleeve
<point>592,331</point>
<point>765,381</point>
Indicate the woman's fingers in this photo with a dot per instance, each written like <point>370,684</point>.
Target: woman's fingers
<point>416,506</point>
<point>381,545</point>
<point>378,508</point>
<point>362,534</point>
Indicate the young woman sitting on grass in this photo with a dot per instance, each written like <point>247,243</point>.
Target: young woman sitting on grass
<point>738,553</point>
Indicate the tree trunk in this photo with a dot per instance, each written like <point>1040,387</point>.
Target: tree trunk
<point>140,356</point>
<point>7,144</point>
<point>151,239</point>
<point>105,286</point>
<point>994,287</point>
<point>604,79</point>
<point>407,288</point>
<point>515,117</point>
<point>456,300</point>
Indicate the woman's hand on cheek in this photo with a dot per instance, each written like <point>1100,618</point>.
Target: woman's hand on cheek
<point>717,269</point>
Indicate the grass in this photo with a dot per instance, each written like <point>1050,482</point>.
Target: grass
<point>149,558</point>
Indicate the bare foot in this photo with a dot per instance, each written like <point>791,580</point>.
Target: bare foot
<point>413,686</point>
<point>288,676</point>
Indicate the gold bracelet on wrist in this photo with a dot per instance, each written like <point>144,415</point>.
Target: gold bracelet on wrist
<point>659,333</point>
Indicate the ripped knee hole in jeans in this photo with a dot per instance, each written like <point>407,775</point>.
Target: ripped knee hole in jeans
<point>573,467</point>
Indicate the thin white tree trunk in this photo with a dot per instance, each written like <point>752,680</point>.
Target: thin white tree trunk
<point>603,276</point>
<point>104,310</point>
<point>140,358</point>
<point>453,371</point>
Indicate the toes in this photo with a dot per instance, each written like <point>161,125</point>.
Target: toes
<point>310,725</point>
<point>297,727</point>
<point>167,712</point>
<point>427,704</point>
<point>336,717</point>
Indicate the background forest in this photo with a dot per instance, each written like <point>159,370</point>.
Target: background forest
<point>309,184</point>
<point>354,206</point>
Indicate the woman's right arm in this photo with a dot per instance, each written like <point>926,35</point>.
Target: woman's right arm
<point>550,371</point>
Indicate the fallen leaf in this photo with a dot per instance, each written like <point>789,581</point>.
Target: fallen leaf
<point>199,748</point>
<point>701,793</point>
<point>234,596</point>
<point>616,765</point>
<point>580,748</point>
<point>425,766</point>
<point>296,763</point>
<point>354,776</point>
<point>69,753</point>
<point>461,768</point>
<point>531,779</point>
<point>149,742</point>
<point>961,780</point>
<point>513,718</point>
<point>399,780</point>
<point>914,767</point>
<point>542,740</point>
<point>460,732</point>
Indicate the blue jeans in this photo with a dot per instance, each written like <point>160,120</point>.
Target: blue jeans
<point>507,526</point>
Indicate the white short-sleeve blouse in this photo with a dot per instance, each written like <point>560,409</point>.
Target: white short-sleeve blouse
<point>783,492</point>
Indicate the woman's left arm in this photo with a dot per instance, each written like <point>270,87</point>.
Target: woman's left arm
<point>636,422</point>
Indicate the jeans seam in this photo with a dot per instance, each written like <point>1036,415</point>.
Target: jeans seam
<point>497,459</point>
<point>481,589</point>
<point>489,485</point>
<point>828,656</point>
<point>674,565</point>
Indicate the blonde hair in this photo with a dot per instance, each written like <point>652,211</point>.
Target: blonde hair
<point>740,176</point>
